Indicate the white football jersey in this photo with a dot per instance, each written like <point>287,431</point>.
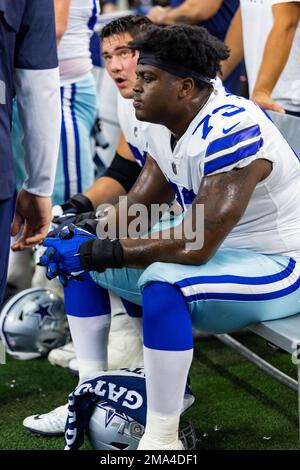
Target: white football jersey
<point>231,132</point>
<point>132,129</point>
<point>75,42</point>
<point>135,131</point>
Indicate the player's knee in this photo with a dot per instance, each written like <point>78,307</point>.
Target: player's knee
<point>164,308</point>
<point>154,273</point>
<point>86,298</point>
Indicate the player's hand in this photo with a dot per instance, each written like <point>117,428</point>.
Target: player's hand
<point>31,220</point>
<point>265,102</point>
<point>158,14</point>
<point>62,257</point>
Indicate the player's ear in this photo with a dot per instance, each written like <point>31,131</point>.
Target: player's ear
<point>186,86</point>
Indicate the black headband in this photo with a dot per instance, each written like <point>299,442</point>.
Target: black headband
<point>148,58</point>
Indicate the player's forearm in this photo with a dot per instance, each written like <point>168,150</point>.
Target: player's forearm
<point>105,190</point>
<point>234,41</point>
<point>61,8</point>
<point>185,243</point>
<point>275,56</point>
<point>109,7</point>
<point>193,11</point>
<point>141,253</point>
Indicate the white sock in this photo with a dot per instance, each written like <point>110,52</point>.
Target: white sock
<point>166,378</point>
<point>90,338</point>
<point>88,369</point>
<point>161,428</point>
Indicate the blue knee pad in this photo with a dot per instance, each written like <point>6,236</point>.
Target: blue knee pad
<point>166,320</point>
<point>86,299</point>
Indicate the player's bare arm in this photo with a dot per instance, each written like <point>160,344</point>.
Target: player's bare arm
<point>278,45</point>
<point>106,188</point>
<point>190,12</point>
<point>150,188</point>
<point>225,197</point>
<point>234,41</point>
<point>61,9</point>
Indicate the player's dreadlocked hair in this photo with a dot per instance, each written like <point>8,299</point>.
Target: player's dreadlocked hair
<point>131,24</point>
<point>190,46</point>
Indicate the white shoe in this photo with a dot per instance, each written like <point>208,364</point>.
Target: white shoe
<point>149,444</point>
<point>73,367</point>
<point>62,356</point>
<point>48,424</point>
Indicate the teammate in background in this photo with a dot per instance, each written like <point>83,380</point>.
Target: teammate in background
<point>27,26</point>
<point>214,15</point>
<point>217,150</point>
<point>119,178</point>
<point>267,34</point>
<point>75,20</point>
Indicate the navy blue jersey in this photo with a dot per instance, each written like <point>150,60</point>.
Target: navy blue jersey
<point>219,23</point>
<point>27,42</point>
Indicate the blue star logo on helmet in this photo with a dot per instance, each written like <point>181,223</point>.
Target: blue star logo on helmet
<point>111,412</point>
<point>43,311</point>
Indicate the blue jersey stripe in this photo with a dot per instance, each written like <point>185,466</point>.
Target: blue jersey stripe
<point>231,158</point>
<point>64,146</point>
<point>232,139</point>
<point>93,18</point>
<point>177,193</point>
<point>244,297</point>
<point>140,157</point>
<point>76,135</point>
<point>246,280</point>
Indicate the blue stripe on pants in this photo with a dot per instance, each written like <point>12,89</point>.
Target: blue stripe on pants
<point>262,287</point>
<point>64,146</point>
<point>76,135</point>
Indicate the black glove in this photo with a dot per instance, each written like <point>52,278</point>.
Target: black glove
<point>98,255</point>
<point>74,206</point>
<point>77,204</point>
<point>84,216</point>
<point>90,225</point>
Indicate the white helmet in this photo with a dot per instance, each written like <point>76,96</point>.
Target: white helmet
<point>32,323</point>
<point>110,430</point>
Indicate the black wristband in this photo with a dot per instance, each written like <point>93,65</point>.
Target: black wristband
<point>97,255</point>
<point>78,204</point>
<point>124,171</point>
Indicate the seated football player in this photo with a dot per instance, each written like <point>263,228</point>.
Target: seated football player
<point>234,258</point>
<point>121,63</point>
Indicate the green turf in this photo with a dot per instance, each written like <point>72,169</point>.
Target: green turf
<point>248,408</point>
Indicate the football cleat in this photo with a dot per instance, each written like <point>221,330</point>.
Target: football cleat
<point>62,356</point>
<point>48,424</point>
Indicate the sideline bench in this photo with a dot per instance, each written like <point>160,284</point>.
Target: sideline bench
<point>283,333</point>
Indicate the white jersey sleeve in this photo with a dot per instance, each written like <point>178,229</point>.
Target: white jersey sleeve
<point>241,144</point>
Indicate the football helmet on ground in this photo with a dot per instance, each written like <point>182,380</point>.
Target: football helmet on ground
<point>110,430</point>
<point>32,323</point>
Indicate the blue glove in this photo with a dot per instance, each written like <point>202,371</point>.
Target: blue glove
<point>59,224</point>
<point>62,255</point>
